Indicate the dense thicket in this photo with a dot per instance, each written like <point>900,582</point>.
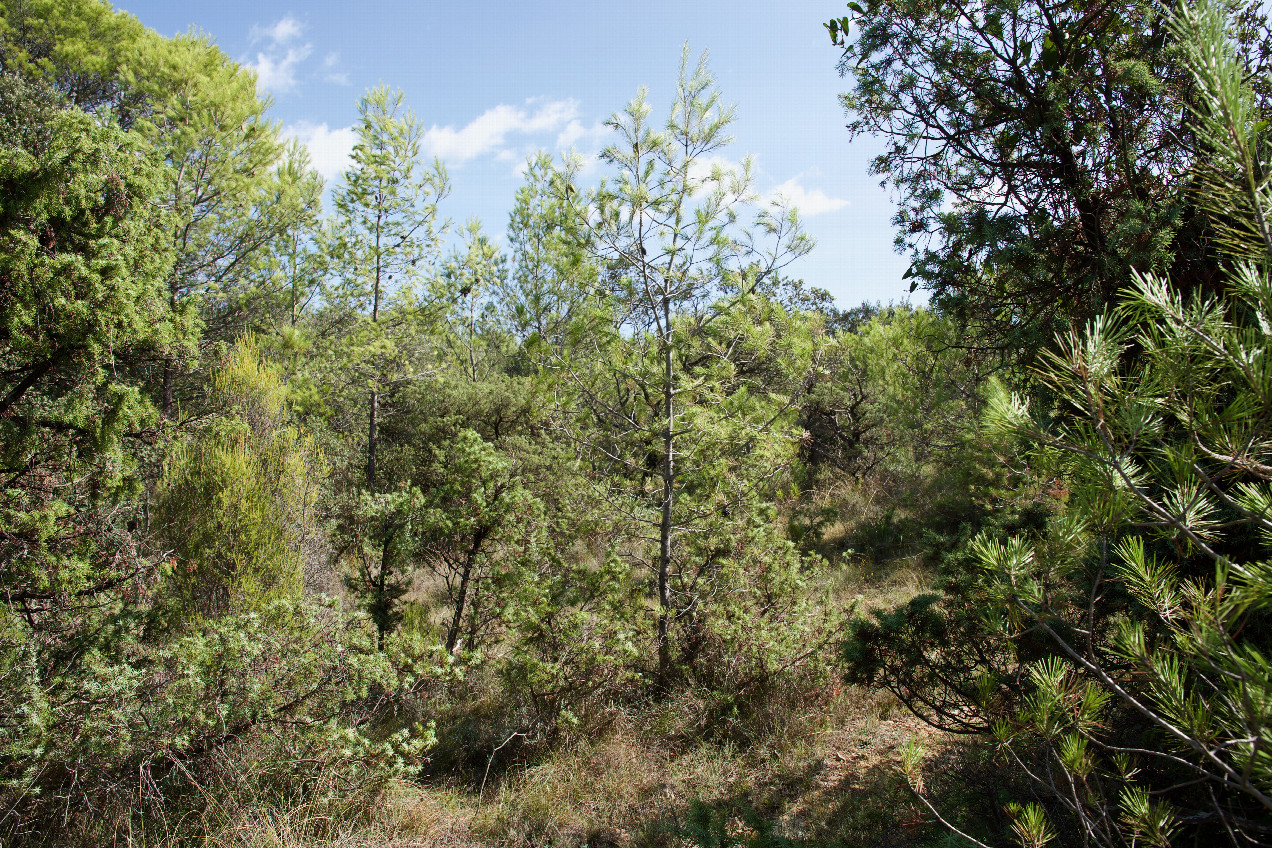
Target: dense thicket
<point>297,507</point>
<point>1041,153</point>
<point>271,484</point>
<point>1105,623</point>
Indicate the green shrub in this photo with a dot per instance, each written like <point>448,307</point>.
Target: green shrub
<point>235,510</point>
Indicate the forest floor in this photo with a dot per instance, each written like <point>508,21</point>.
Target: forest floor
<point>830,778</point>
<point>825,771</point>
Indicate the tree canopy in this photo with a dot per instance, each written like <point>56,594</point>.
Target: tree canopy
<point>1040,153</point>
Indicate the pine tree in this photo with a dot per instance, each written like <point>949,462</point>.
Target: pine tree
<point>386,237</point>
<point>664,377</point>
<point>1146,721</point>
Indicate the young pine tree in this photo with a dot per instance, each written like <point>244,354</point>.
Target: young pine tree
<point>662,378</point>
<point>386,237</point>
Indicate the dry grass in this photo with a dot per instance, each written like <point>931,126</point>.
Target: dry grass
<point>588,794</point>
<point>822,768</point>
<point>403,815</point>
<point>830,777</point>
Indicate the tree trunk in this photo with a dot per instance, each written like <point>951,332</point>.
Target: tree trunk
<point>470,559</point>
<point>33,376</point>
<point>169,367</point>
<point>372,421</point>
<point>474,618</point>
<point>165,407</point>
<point>668,497</point>
<point>373,415</point>
<point>382,579</point>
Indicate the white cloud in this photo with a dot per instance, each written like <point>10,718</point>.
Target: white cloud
<point>278,73</point>
<point>809,202</point>
<point>329,150</point>
<point>488,133</point>
<point>574,139</point>
<point>332,72</point>
<point>578,136</point>
<point>520,169</point>
<point>276,64</point>
<point>280,33</point>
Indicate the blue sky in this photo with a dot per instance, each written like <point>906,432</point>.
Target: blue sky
<point>494,82</point>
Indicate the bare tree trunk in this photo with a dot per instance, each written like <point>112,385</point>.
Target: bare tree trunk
<point>382,625</point>
<point>465,579</point>
<point>474,618</point>
<point>374,414</point>
<point>169,367</point>
<point>165,407</point>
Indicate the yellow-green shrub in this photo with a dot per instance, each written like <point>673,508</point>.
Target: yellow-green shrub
<point>236,505</point>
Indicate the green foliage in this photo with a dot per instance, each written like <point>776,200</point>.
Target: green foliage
<point>376,330</point>
<point>236,190</point>
<point>82,256</point>
<point>376,540</point>
<point>472,339</point>
<point>385,211</point>
<point>136,727</point>
<point>736,434</point>
<point>575,636</point>
<point>891,395</point>
<point>233,189</point>
<point>599,462</point>
<point>128,696</point>
<point>236,505</point>
<point>476,510</point>
<point>82,48</point>
<point>553,272</point>
<point>111,707</point>
<point>1041,154</point>
<point>937,656</point>
<point>678,376</point>
<point>710,828</point>
<point>1146,720</point>
<point>382,243</point>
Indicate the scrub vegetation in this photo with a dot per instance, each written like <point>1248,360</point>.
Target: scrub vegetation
<point>357,528</point>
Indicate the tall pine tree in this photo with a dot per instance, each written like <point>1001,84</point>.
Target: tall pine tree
<point>387,235</point>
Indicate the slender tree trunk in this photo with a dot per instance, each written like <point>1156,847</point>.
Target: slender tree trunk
<point>668,497</point>
<point>165,409</point>
<point>472,342</point>
<point>373,416</point>
<point>382,600</point>
<point>295,353</point>
<point>294,250</point>
<point>33,376</point>
<point>168,365</point>
<point>372,422</point>
<point>452,635</point>
<point>382,579</point>
<point>474,617</point>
